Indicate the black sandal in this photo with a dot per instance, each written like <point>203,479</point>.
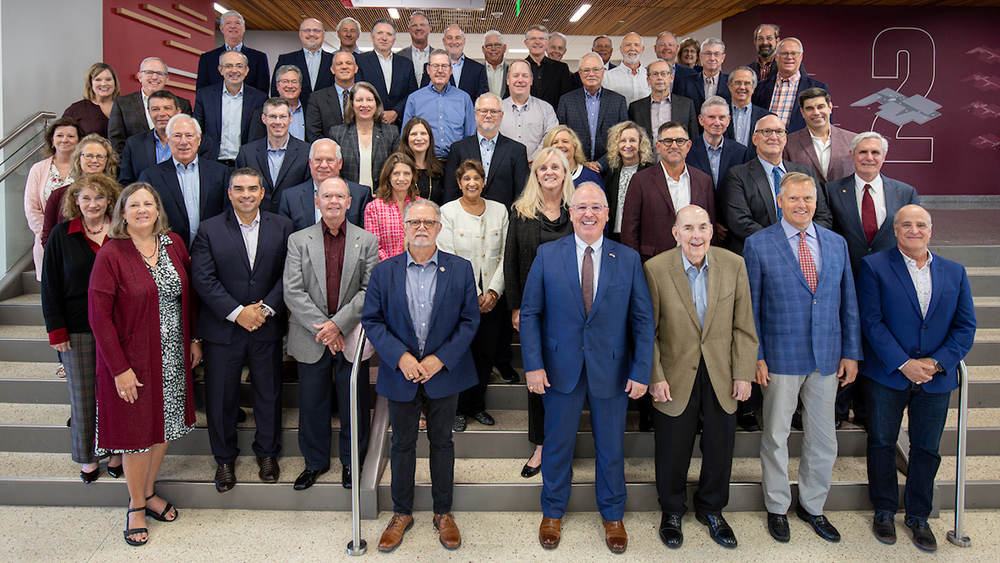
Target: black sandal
<point>133,531</point>
<point>161,517</point>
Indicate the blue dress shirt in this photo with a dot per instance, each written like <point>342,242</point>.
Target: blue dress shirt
<point>449,112</point>
<point>698,281</point>
<point>421,282</point>
<point>811,241</point>
<point>190,182</point>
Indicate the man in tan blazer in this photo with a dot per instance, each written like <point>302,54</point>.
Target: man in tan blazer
<point>703,361</point>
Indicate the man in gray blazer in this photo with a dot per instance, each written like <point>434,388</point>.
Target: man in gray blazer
<point>324,306</point>
<point>821,146</point>
<point>130,112</point>
<point>670,107</point>
<point>419,51</point>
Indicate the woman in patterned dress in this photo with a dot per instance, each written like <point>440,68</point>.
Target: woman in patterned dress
<point>629,151</point>
<point>142,314</point>
<point>397,187</point>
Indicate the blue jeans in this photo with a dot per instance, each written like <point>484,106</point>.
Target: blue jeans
<point>927,414</point>
<point>405,419</point>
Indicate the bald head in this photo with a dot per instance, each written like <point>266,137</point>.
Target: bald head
<point>912,226</point>
<point>693,232</point>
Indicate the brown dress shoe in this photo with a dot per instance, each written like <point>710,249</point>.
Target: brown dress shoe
<point>615,536</point>
<point>447,531</point>
<point>393,534</point>
<point>225,477</point>
<point>269,469</point>
<point>549,532</point>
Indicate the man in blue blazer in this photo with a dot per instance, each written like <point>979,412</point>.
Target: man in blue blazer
<point>572,110</point>
<point>232,27</point>
<point>212,101</point>
<point>806,314</point>
<point>919,322</point>
<point>282,159</point>
<point>587,332</point>
<point>242,320</point>
<point>471,75</point>
<point>297,203</point>
<point>404,81</point>
<point>789,61</point>
<point>714,120</point>
<point>421,314</point>
<point>143,150</point>
<point>311,60</point>
<point>713,54</point>
<point>191,189</point>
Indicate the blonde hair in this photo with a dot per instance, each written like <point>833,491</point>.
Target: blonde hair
<point>99,183</point>
<point>615,136</point>
<point>578,157</point>
<point>119,228</point>
<point>531,203</point>
<point>110,165</point>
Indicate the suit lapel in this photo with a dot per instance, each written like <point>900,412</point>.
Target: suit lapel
<point>609,269</point>
<point>759,178</point>
<point>317,256</point>
<point>174,187</point>
<point>572,270</point>
<point>905,281</point>
<point>308,202</point>
<point>850,203</point>
<point>892,205</point>
<point>661,184</point>
<point>291,153</point>
<point>806,147</point>
<point>150,148</point>
<point>781,242</point>
<point>444,273</point>
<point>262,165</point>
<point>714,288</point>
<point>232,225</point>
<point>678,276</point>
<point>351,253</point>
<point>499,150</point>
<point>937,284</point>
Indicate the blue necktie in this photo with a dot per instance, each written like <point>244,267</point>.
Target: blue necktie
<point>776,172</point>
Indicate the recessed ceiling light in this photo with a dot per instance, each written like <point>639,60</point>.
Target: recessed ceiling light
<point>220,9</point>
<point>393,13</point>
<point>545,19</point>
<point>579,13</point>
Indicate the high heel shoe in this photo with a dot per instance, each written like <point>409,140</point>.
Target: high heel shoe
<point>162,516</point>
<point>133,531</point>
<point>116,471</point>
<point>90,476</point>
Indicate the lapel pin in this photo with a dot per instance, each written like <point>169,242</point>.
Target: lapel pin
<point>611,254</point>
<point>844,191</point>
<point>355,246</point>
<point>442,268</point>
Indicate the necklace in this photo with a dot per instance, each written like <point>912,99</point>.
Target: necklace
<point>156,249</point>
<point>98,231</point>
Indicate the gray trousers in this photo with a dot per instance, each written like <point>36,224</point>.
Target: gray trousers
<point>819,446</point>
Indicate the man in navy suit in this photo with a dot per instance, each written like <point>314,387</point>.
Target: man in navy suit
<point>744,115</point>
<point>592,110</point>
<point>467,74</point>
<point>236,264</point>
<point>326,106</point>
<point>421,314</point>
<point>780,93</point>
<point>224,110</point>
<point>232,27</point>
<point>393,89</point>
<point>666,48</point>
<point>282,159</point>
<point>919,322</point>
<point>191,189</point>
<point>290,80</point>
<point>298,202</point>
<point>711,152</point>
<point>311,60</point>
<point>806,314</point>
<point>584,296</point>
<point>711,81</point>
<point>505,160</point>
<point>143,150</point>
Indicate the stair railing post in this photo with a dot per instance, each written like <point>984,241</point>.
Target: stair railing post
<point>957,536</point>
<point>357,546</point>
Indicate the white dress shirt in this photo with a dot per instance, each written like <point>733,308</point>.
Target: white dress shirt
<point>250,233</point>
<point>420,58</point>
<point>921,280</point>
<point>878,197</point>
<point>386,64</point>
<point>680,190</point>
<point>621,80</point>
<point>232,124</point>
<point>823,150</point>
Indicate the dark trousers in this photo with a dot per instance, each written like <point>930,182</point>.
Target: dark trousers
<point>405,419</point>
<point>505,333</point>
<point>223,366</point>
<point>852,395</point>
<point>754,402</point>
<point>472,401</point>
<point>536,419</point>
<point>927,414</point>
<point>675,437</point>
<point>562,420</point>
<point>316,383</point>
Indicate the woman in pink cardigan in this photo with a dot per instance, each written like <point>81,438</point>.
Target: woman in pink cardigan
<point>47,175</point>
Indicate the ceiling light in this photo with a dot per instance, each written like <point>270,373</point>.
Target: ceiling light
<point>579,13</point>
<point>394,13</point>
<point>220,9</point>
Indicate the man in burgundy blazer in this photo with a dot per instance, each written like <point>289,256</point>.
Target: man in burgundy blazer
<point>816,108</point>
<point>651,205</point>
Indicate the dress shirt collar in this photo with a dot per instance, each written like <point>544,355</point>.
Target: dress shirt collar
<point>281,148</point>
<point>253,224</point>
<point>768,166</point>
<point>688,265</point>
<point>793,78</point>
<point>444,92</point>
<point>181,168</point>
<point>236,48</point>
<point>492,141</point>
<point>225,91</point>
<point>791,231</point>
<point>595,96</point>
<point>912,264</point>
<point>859,185</point>
<point>709,147</point>
<point>433,260</point>
<point>385,58</point>
<point>667,174</point>
<point>581,246</point>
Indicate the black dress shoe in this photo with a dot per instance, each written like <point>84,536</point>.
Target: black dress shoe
<point>646,424</point>
<point>884,527</point>
<point>90,476</point>
<point>308,478</point>
<point>748,422</point>
<point>484,418</point>
<point>923,537</point>
<point>777,525</point>
<point>460,423</point>
<point>269,469</point>
<point>241,416</point>
<point>862,422</point>
<point>797,420</point>
<point>820,524</point>
<point>508,373</point>
<point>528,471</point>
<point>718,529</point>
<point>225,477</point>
<point>670,530</point>
<point>345,477</point>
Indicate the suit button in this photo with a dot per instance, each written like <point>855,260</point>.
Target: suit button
<point>252,282</point>
<point>815,301</point>
<point>581,348</point>
<point>923,328</point>
<point>917,352</point>
<point>587,326</point>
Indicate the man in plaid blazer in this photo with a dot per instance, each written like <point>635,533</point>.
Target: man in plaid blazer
<point>806,313</point>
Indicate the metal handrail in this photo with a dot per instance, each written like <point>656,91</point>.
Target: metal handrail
<point>957,536</point>
<point>24,159</point>
<point>21,128</point>
<point>357,546</point>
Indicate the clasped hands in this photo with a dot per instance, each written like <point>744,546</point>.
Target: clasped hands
<point>919,370</point>
<point>419,371</point>
<point>252,316</point>
<point>330,336</point>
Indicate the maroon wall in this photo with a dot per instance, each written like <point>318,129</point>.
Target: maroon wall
<point>928,79</point>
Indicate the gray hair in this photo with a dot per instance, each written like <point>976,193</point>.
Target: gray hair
<point>416,13</point>
<point>348,19</point>
<point>246,61</point>
<point>713,41</point>
<point>670,66</point>
<point>420,202</point>
<point>537,27</point>
<point>777,30</point>
<point>387,22</point>
<point>276,102</point>
<point>438,52</point>
<point>870,135</point>
<point>594,42</point>
<point>753,76</point>
<point>489,95</point>
<point>557,34</point>
<point>491,33</point>
<point>288,68</point>
<point>670,33</point>
<point>317,142</point>
<point>591,54</point>
<point>231,14</point>
<point>182,117</point>
<point>147,59</point>
<point>715,101</point>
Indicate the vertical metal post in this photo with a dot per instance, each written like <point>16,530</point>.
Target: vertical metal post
<point>357,546</point>
<point>957,536</point>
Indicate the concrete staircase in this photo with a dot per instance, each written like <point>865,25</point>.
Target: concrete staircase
<point>36,469</point>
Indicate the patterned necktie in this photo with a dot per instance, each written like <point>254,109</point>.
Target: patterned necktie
<point>777,174</point>
<point>806,262</point>
<point>347,94</point>
<point>587,283</point>
<point>868,220</point>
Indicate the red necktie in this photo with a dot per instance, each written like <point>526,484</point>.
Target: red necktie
<point>806,262</point>
<point>587,283</point>
<point>868,221</point>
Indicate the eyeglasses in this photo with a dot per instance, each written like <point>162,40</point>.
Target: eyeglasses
<point>493,112</point>
<point>237,66</point>
<point>285,82</point>
<point>712,54</point>
<point>273,117</point>
<point>660,74</point>
<point>97,157</point>
<point>327,196</point>
<point>769,132</point>
<point>153,73</point>
<point>426,223</point>
<point>742,83</point>
<point>493,45</point>
<point>581,209</point>
<point>668,142</point>
<point>591,70</point>
<point>312,30</point>
<point>435,66</point>
<point>789,54</point>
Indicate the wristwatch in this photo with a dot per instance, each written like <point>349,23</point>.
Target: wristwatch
<point>938,365</point>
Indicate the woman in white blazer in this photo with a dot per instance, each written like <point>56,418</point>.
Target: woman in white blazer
<point>476,229</point>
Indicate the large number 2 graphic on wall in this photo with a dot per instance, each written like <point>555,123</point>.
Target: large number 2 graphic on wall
<point>906,58</point>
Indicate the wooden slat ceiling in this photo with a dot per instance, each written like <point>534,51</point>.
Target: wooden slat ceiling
<point>611,17</point>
